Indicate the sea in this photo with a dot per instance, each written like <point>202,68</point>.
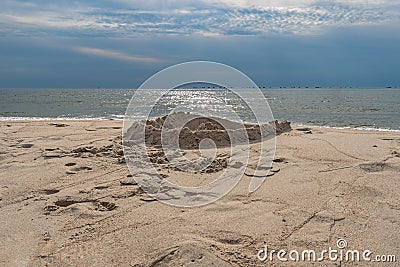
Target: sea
<point>358,108</point>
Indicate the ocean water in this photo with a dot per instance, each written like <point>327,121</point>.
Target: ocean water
<point>354,108</point>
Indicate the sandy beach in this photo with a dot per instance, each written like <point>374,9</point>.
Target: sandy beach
<point>67,199</point>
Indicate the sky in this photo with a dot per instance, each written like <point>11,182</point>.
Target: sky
<point>120,43</point>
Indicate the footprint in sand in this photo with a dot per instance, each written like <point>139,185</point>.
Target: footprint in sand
<point>104,206</point>
<point>101,187</point>
<point>50,208</point>
<point>77,169</point>
<point>147,198</point>
<point>70,164</point>
<point>374,166</point>
<point>126,194</point>
<point>98,205</point>
<point>82,168</point>
<point>127,182</point>
<point>280,160</point>
<point>49,191</point>
<point>26,145</point>
<point>231,238</point>
<point>51,149</point>
<point>50,153</point>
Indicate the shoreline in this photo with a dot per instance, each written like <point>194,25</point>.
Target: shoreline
<point>294,124</point>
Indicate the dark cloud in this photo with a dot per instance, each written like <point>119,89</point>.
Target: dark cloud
<point>361,56</point>
<point>120,43</point>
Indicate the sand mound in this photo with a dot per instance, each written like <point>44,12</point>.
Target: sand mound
<point>186,142</point>
<point>197,128</point>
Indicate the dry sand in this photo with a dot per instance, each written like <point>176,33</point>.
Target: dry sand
<point>67,199</point>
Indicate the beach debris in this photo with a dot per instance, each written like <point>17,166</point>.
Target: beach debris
<point>305,130</point>
<point>58,124</point>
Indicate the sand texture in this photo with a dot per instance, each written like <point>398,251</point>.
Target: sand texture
<point>67,199</point>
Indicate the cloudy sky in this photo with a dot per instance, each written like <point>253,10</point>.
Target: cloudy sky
<point>120,43</point>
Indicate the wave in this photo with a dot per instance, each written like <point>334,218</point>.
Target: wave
<point>59,118</point>
<point>359,128</point>
<point>119,117</point>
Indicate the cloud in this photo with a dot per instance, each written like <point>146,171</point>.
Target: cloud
<point>106,53</point>
<point>46,20</point>
<point>128,18</point>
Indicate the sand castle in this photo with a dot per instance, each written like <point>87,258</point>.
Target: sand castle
<point>197,128</point>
